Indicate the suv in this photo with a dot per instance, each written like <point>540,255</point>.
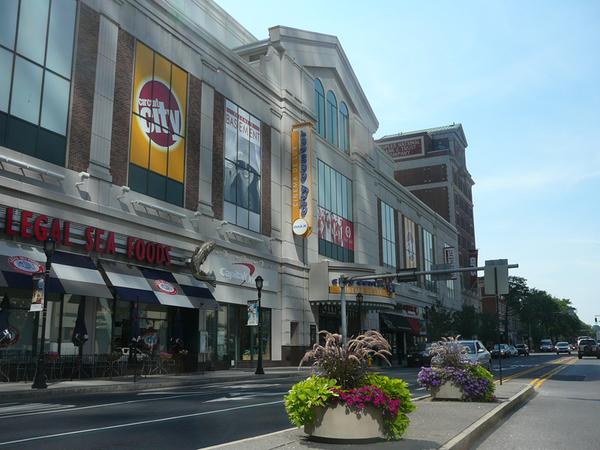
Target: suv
<point>546,345</point>
<point>523,349</point>
<point>587,347</point>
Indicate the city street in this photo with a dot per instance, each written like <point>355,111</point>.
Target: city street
<point>563,415</point>
<point>188,417</point>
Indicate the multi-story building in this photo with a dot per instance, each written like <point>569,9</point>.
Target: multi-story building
<point>135,132</point>
<point>431,163</point>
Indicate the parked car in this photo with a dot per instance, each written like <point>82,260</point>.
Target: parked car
<point>477,353</point>
<point>420,355</point>
<point>587,347</point>
<point>562,347</point>
<point>503,351</point>
<point>546,345</point>
<point>522,349</point>
<point>512,350</point>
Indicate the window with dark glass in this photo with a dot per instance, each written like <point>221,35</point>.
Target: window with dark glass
<point>332,119</point>
<point>36,56</point>
<point>320,107</point>
<point>428,259</point>
<point>344,127</point>
<point>336,229</point>
<point>242,174</point>
<point>388,236</point>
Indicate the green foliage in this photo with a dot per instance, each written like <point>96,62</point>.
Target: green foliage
<point>396,389</point>
<point>466,322</point>
<point>305,396</point>
<point>478,371</point>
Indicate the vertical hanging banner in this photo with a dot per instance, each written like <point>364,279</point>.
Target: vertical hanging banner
<point>302,196</point>
<point>252,313</point>
<point>473,263</point>
<point>37,299</point>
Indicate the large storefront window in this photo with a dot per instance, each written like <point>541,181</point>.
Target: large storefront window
<point>428,259</point>
<point>242,168</point>
<point>336,229</point>
<point>388,236</point>
<point>157,157</point>
<point>36,53</point>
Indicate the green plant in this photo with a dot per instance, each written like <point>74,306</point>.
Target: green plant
<point>396,389</point>
<point>347,363</point>
<point>305,396</point>
<point>448,353</point>
<point>480,372</point>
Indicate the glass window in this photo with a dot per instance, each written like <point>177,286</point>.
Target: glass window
<point>336,230</point>
<point>8,22</point>
<point>242,183</point>
<point>55,103</point>
<point>320,107</point>
<point>33,22</point>
<point>6,62</point>
<point>60,37</point>
<point>410,244</point>
<point>428,259</point>
<point>332,119</point>
<point>27,90</point>
<point>103,326</point>
<point>388,236</point>
<point>344,127</point>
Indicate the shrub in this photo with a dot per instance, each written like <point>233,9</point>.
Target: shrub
<point>448,353</point>
<point>474,380</point>
<point>347,363</point>
<point>304,396</point>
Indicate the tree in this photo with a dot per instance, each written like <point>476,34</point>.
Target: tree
<point>439,322</point>
<point>466,322</point>
<point>517,292</point>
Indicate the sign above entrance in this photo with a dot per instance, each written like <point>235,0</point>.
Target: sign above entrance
<point>302,196</point>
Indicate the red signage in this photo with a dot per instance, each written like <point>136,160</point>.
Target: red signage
<point>40,227</point>
<point>161,110</point>
<point>336,229</point>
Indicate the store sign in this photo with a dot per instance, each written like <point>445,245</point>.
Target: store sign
<point>449,255</point>
<point>25,265</point>
<point>375,288</point>
<point>241,272</point>
<point>159,113</point>
<point>406,148</point>
<point>165,287</point>
<point>302,197</point>
<point>38,227</point>
<point>335,229</point>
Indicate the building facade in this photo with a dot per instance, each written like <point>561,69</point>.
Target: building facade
<point>135,132</point>
<point>432,164</point>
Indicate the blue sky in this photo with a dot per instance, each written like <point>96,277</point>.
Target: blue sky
<point>523,77</point>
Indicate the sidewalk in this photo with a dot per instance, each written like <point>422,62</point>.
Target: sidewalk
<point>434,424</point>
<point>23,391</point>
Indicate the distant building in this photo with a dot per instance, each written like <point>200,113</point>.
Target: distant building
<point>431,163</point>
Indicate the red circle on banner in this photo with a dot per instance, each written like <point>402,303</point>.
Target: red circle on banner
<point>165,287</point>
<point>161,115</point>
<point>25,265</point>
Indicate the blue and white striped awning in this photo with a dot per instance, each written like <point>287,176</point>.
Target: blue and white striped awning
<point>69,274</point>
<point>146,285</point>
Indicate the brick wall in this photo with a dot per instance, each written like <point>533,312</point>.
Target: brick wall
<point>422,175</point>
<point>265,208</point>
<point>119,150</point>
<point>192,156</point>
<point>436,199</point>
<point>218,154</point>
<point>84,80</point>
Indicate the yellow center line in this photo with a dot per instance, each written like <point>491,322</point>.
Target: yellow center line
<point>537,382</point>
<point>532,369</point>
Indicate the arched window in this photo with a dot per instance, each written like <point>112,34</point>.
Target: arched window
<point>344,128</point>
<point>320,107</point>
<point>332,119</point>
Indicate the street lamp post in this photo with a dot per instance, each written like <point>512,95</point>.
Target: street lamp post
<point>359,300</point>
<point>39,381</point>
<point>259,364</point>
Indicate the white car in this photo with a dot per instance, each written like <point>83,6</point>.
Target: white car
<point>477,353</point>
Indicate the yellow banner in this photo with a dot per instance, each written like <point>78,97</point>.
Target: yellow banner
<point>159,112</point>
<point>302,195</point>
<point>365,290</point>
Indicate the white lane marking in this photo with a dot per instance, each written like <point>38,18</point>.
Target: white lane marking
<point>104,405</point>
<point>245,396</point>
<point>133,424</point>
<point>25,407</point>
<point>241,441</point>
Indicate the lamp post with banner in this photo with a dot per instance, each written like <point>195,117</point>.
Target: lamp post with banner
<point>259,364</point>
<point>359,300</point>
<point>39,380</point>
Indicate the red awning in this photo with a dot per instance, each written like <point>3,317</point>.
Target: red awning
<point>414,324</point>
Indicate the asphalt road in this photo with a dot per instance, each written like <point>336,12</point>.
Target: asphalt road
<point>563,415</point>
<point>187,417</point>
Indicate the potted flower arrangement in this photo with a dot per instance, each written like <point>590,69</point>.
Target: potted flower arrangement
<point>342,399</point>
<point>453,377</point>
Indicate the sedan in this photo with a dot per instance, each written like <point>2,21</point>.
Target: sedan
<point>504,353</point>
<point>513,350</point>
<point>477,353</point>
<point>562,347</point>
<point>522,349</point>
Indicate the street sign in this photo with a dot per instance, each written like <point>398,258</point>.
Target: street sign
<point>496,277</point>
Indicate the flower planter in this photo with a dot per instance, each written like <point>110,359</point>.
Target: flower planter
<point>338,422</point>
<point>447,391</point>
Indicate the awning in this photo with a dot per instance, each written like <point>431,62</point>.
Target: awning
<point>197,291</point>
<point>394,322</point>
<point>146,285</point>
<point>70,273</point>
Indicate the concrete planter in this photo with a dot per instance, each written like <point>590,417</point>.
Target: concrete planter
<point>447,391</point>
<point>341,423</point>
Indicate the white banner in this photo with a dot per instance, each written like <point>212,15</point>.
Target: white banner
<point>252,313</point>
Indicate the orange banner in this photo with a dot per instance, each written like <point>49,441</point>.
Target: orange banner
<point>302,196</point>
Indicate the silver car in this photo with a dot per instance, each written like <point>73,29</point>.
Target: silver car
<point>477,353</point>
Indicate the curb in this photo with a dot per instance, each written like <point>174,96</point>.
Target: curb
<point>125,387</point>
<point>475,431</point>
